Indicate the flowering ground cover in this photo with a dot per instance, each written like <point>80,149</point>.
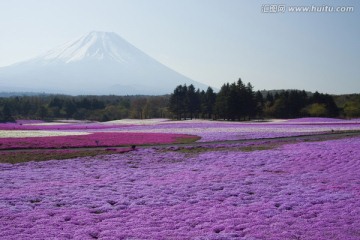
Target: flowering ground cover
<point>322,120</point>
<point>36,133</point>
<point>96,139</point>
<point>304,190</point>
<point>207,130</point>
<point>139,121</point>
<point>220,130</point>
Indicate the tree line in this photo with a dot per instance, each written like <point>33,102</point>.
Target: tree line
<point>96,108</point>
<point>238,101</point>
<point>234,101</point>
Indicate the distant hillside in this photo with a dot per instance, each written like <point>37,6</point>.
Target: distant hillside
<point>21,94</point>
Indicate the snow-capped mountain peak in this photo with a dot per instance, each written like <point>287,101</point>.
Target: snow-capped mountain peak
<point>105,46</point>
<point>95,63</point>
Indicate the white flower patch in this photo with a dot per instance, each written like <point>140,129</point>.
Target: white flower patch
<point>139,122</point>
<point>47,124</point>
<point>256,129</point>
<point>36,133</point>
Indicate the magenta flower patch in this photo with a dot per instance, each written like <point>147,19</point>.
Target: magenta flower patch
<point>96,139</point>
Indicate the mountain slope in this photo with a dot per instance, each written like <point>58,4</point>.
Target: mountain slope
<point>96,63</point>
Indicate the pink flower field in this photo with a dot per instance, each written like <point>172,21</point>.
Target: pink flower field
<point>295,191</point>
<point>252,190</point>
<point>210,131</point>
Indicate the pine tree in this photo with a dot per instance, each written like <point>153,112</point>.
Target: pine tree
<point>260,103</point>
<point>6,114</point>
<point>221,103</point>
<point>192,101</point>
<point>178,101</point>
<point>209,102</point>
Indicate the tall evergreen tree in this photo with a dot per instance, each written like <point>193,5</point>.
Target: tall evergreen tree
<point>250,102</point>
<point>192,101</point>
<point>221,103</point>
<point>260,103</point>
<point>209,100</point>
<point>6,114</point>
<point>234,102</point>
<point>178,101</point>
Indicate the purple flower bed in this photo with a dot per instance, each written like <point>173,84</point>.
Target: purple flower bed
<point>219,131</point>
<point>297,191</point>
<point>314,120</point>
<point>321,120</point>
<point>209,130</point>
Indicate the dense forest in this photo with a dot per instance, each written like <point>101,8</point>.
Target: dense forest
<point>97,108</point>
<point>238,101</point>
<point>235,101</point>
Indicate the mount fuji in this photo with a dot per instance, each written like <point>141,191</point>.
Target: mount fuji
<point>96,63</point>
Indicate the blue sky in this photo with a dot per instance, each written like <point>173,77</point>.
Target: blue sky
<point>210,41</point>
